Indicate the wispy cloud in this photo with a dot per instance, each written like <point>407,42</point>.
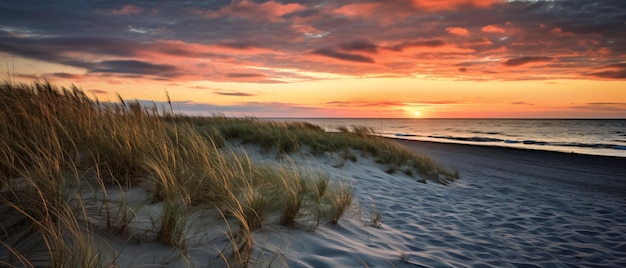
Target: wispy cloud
<point>525,60</point>
<point>234,93</point>
<point>604,106</point>
<point>98,91</point>
<point>329,52</point>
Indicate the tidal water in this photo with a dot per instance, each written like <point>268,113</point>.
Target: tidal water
<point>583,136</point>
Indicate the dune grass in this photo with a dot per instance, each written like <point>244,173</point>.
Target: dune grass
<point>63,156</point>
<point>289,137</point>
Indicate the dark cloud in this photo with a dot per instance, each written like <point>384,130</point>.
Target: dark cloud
<point>234,93</point>
<point>525,60</point>
<point>134,67</point>
<point>342,56</point>
<point>611,71</point>
<point>603,106</point>
<point>244,75</point>
<point>608,103</point>
<point>522,103</point>
<point>65,75</point>
<point>427,43</point>
<point>612,74</point>
<point>363,46</point>
<point>98,91</point>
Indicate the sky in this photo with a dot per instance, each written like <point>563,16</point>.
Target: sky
<point>335,58</point>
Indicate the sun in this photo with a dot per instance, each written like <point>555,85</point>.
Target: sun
<point>417,114</point>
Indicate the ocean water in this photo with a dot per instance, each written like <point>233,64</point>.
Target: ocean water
<point>583,136</point>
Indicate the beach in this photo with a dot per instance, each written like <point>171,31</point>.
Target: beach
<point>511,208</point>
<point>199,205</point>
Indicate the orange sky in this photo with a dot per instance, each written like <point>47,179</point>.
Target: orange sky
<point>462,58</point>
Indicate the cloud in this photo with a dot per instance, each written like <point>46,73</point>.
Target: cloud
<point>525,60</point>
<point>98,91</point>
<point>253,11</point>
<point>234,93</point>
<point>66,75</point>
<point>328,52</point>
<point>613,74</point>
<point>522,103</point>
<point>493,29</point>
<point>457,31</point>
<point>478,42</point>
<point>239,45</point>
<point>611,71</point>
<point>244,75</point>
<point>421,43</point>
<point>133,67</point>
<point>362,46</point>
<point>603,106</point>
<point>127,10</point>
<point>452,4</point>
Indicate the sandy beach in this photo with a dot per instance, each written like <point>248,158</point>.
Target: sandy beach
<point>511,208</point>
<point>523,207</point>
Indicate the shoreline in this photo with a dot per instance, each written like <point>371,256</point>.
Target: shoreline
<point>498,147</point>
<point>598,172</point>
<point>609,152</point>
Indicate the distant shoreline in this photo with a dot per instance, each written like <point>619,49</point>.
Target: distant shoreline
<point>501,146</point>
<point>511,150</point>
<point>599,172</point>
<point>581,136</point>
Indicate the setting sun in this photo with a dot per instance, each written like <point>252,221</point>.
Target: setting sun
<point>417,113</point>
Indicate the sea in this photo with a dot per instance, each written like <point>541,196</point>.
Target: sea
<point>582,136</point>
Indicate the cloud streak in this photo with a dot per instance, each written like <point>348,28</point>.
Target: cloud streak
<point>525,60</point>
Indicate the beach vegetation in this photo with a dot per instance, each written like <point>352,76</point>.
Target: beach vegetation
<point>71,169</point>
<point>375,215</point>
<point>341,198</point>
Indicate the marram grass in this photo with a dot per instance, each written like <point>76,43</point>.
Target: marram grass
<point>63,156</point>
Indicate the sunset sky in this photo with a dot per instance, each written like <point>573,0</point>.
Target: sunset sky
<point>335,58</point>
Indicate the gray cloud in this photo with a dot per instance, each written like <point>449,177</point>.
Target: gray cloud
<point>244,75</point>
<point>363,46</point>
<point>525,60</point>
<point>342,56</point>
<point>97,91</point>
<point>133,67</point>
<point>427,43</point>
<point>66,75</point>
<point>234,93</point>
